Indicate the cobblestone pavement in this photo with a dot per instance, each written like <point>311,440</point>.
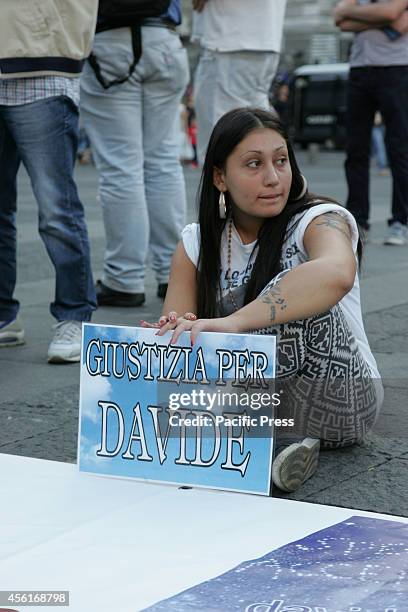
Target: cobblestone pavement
<point>39,402</point>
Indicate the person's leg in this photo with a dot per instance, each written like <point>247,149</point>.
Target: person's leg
<point>393,98</point>
<point>205,86</point>
<point>225,81</point>
<point>165,79</point>
<point>325,386</point>
<point>113,121</point>
<point>46,136</point>
<point>328,387</point>
<point>9,163</point>
<point>342,405</point>
<point>246,79</point>
<point>361,107</point>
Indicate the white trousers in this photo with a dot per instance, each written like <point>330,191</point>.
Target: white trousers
<point>227,80</point>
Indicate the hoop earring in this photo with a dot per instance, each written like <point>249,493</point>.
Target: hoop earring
<point>304,188</point>
<point>222,206</point>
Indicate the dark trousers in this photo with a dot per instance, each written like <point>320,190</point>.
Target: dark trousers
<point>371,89</point>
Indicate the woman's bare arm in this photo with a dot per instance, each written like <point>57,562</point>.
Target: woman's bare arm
<point>181,294</point>
<point>309,289</point>
<point>312,287</point>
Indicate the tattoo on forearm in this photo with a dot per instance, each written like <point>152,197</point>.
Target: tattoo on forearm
<point>273,297</point>
<point>335,221</point>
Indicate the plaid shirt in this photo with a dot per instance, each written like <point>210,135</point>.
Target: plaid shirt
<point>14,92</point>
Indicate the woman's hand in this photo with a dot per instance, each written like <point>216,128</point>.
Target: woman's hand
<point>224,324</point>
<point>172,317</point>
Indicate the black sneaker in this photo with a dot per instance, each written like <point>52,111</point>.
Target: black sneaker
<point>109,297</point>
<point>162,290</point>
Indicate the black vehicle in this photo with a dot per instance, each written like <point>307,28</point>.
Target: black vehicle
<point>318,104</point>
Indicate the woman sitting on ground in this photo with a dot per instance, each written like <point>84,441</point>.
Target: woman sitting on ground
<point>288,263</point>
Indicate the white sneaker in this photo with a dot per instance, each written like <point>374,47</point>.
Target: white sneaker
<point>66,343</point>
<point>11,333</point>
<point>295,464</point>
<point>397,234</point>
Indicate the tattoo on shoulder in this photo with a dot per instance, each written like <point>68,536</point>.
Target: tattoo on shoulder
<point>273,297</point>
<point>335,221</point>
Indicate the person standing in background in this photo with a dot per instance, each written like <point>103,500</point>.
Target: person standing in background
<point>378,81</point>
<point>281,104</point>
<point>41,57</point>
<point>192,127</point>
<point>130,107</point>
<point>240,46</point>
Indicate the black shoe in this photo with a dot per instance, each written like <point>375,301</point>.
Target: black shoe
<point>109,297</point>
<point>162,290</point>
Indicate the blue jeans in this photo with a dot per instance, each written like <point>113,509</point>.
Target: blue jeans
<point>134,131</point>
<point>44,136</point>
<point>371,89</point>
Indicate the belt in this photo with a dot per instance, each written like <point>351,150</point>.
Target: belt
<point>158,22</point>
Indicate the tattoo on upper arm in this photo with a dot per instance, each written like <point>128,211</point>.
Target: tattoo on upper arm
<point>273,297</point>
<point>335,221</point>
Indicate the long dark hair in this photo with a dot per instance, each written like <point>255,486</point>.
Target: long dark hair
<point>230,130</point>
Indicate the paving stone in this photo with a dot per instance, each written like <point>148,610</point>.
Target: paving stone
<point>380,489</point>
<point>337,468</point>
<point>387,330</point>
